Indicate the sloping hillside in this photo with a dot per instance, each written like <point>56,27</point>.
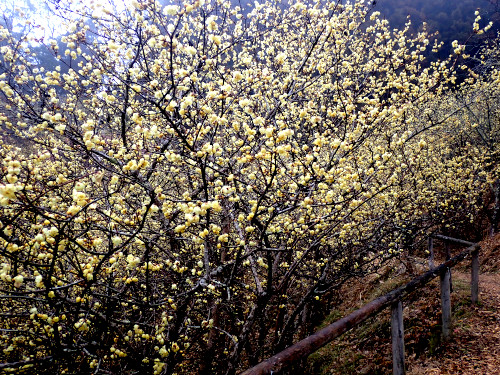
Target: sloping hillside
<point>473,348</point>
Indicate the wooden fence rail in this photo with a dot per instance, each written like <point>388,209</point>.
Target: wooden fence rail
<point>310,344</point>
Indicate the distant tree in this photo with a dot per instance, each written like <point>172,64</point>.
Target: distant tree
<point>480,97</point>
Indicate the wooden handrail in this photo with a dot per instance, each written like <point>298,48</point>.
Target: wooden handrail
<point>310,344</point>
<point>451,239</point>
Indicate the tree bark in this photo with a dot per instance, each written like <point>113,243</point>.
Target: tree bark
<point>496,208</point>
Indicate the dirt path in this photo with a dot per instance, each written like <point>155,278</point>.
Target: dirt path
<point>475,345</point>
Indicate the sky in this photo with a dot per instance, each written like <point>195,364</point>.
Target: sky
<point>453,19</point>
<point>39,14</point>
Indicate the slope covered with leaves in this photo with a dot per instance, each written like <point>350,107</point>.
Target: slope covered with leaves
<point>472,350</point>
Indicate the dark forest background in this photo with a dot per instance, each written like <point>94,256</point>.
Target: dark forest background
<point>451,19</point>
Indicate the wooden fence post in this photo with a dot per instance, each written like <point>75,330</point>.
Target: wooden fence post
<point>431,252</point>
<point>397,333</point>
<point>448,256</point>
<point>445,303</point>
<point>475,276</point>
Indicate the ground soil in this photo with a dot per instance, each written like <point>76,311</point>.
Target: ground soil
<point>475,345</point>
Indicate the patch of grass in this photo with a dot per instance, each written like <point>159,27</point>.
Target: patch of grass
<point>385,287</point>
<point>334,359</point>
<point>366,348</point>
<point>434,342</point>
<point>332,318</point>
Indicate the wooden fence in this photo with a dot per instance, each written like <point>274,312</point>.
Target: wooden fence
<point>394,298</point>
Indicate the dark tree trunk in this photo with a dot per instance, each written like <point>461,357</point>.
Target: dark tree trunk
<point>496,208</point>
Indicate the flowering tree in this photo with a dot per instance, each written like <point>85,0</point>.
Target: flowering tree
<point>201,178</point>
<point>479,119</point>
